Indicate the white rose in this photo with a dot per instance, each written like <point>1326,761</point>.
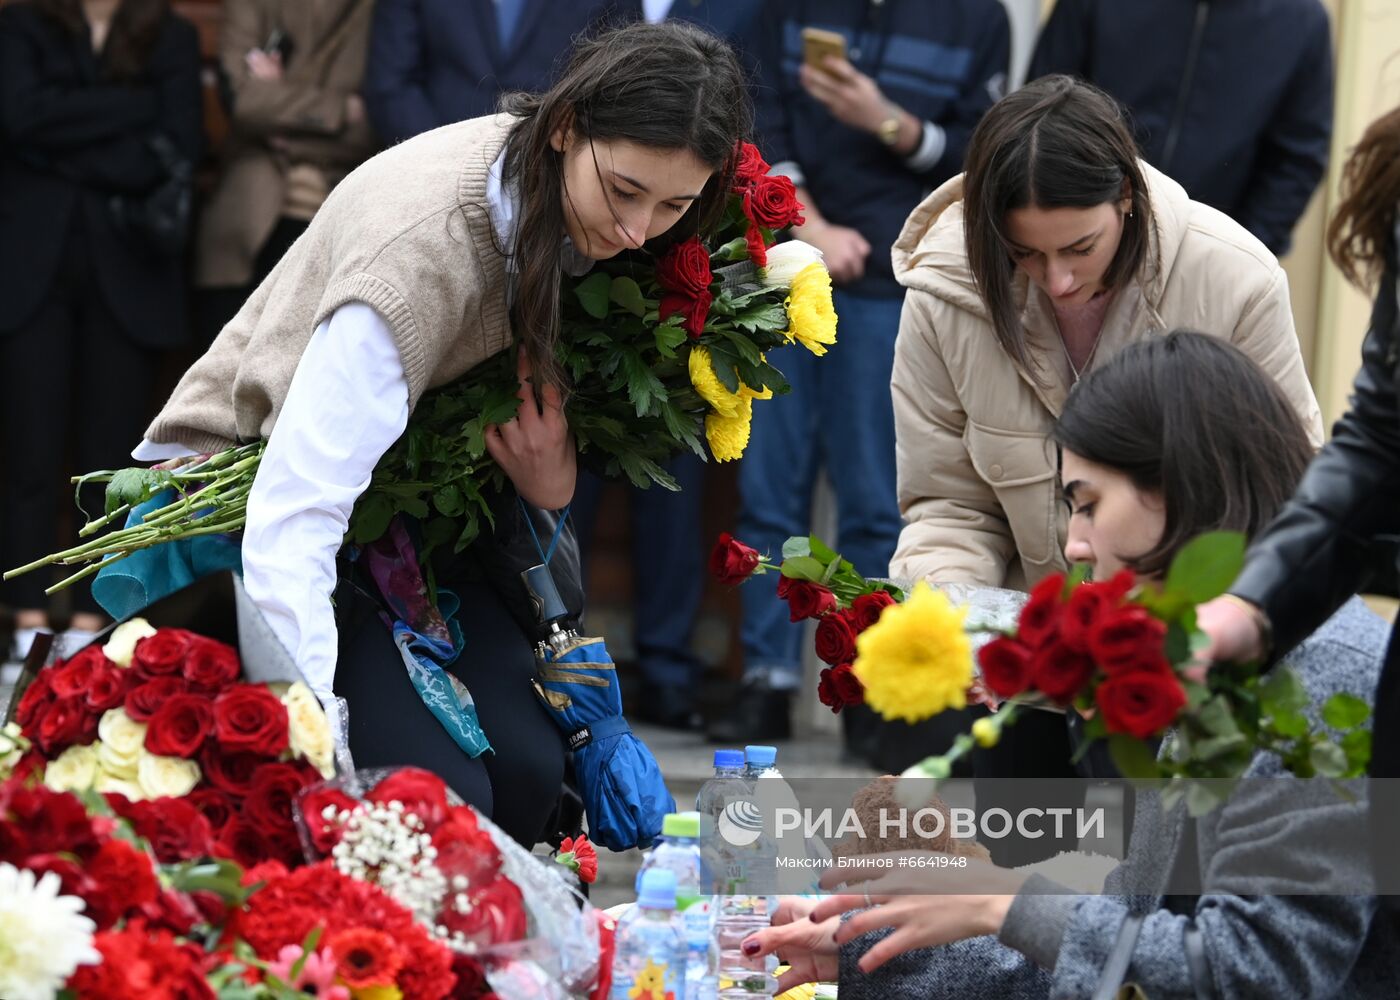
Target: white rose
<point>786,261</point>
<point>13,746</point>
<point>121,644</point>
<point>162,776</point>
<point>109,783</point>
<point>73,771</point>
<point>117,764</point>
<point>308,731</point>
<point>121,732</point>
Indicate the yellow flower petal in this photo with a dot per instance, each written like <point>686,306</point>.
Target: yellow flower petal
<point>729,436</point>
<point>811,315</point>
<point>916,661</point>
<point>707,383</point>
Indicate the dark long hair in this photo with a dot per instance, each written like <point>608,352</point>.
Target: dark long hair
<point>1055,143</point>
<point>135,28</point>
<point>1191,418</point>
<point>1361,227</point>
<point>667,86</point>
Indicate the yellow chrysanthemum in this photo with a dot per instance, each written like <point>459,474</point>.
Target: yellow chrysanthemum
<point>916,661</point>
<point>811,316</point>
<point>729,436</point>
<point>707,383</point>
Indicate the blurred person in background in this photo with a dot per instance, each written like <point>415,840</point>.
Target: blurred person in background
<point>100,125</point>
<point>863,136</point>
<point>1232,99</point>
<point>291,73</point>
<point>434,62</point>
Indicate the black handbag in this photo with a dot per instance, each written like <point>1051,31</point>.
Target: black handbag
<point>160,219</point>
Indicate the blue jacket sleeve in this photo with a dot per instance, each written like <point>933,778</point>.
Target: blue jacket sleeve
<point>771,87</point>
<point>394,91</point>
<point>1066,42</point>
<point>984,86</point>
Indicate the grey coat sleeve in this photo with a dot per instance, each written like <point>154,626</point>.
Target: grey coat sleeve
<point>976,967</point>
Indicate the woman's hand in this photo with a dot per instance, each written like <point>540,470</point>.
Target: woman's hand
<point>1233,632</point>
<point>924,906</point>
<point>534,448</point>
<point>809,949</point>
<point>264,65</point>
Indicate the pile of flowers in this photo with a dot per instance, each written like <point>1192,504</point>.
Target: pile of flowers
<point>201,762</point>
<point>1118,651</point>
<point>665,354</point>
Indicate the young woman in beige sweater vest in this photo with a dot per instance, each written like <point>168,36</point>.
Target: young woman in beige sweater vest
<point>423,262</point>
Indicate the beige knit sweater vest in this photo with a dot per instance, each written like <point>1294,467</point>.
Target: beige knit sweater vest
<point>409,234</point>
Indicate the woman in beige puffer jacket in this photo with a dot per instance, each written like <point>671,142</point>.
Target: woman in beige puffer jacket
<point>1080,249</point>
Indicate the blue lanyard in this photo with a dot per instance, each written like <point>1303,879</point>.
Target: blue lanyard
<point>545,556</point>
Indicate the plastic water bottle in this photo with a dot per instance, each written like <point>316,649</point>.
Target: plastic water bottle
<point>679,852</point>
<point>649,955</point>
<point>725,788</point>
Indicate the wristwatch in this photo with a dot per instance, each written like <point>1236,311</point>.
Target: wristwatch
<point>888,130</point>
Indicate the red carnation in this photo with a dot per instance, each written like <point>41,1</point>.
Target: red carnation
<point>579,856</point>
<point>1060,672</point>
<point>71,679</point>
<point>249,718</point>
<point>180,726</point>
<point>145,699</point>
<point>175,829</point>
<point>211,666</point>
<point>1040,618</point>
<point>731,561</point>
<point>836,638</point>
<point>162,654</point>
<point>57,821</point>
<point>139,962</point>
<point>125,880</point>
<point>867,608</point>
<point>771,201</point>
<point>1140,703</point>
<point>422,793</point>
<point>808,600</point>
<point>1006,667</point>
<point>1130,638</point>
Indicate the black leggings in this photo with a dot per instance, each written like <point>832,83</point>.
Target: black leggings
<point>517,786</point>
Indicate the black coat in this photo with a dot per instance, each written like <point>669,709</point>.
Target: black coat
<point>69,140</point>
<point>1230,98</point>
<point>1334,537</point>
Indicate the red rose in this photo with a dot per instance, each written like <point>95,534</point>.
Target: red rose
<point>244,843</point>
<point>867,608</point>
<point>749,165</point>
<point>465,849</point>
<point>1128,639</point>
<point>1088,603</point>
<point>422,793</point>
<point>65,723</point>
<point>1140,703</point>
<point>1006,667</point>
<point>249,718</point>
<point>143,700</point>
<point>216,806</point>
<point>365,957</point>
<point>125,880</point>
<point>211,666</point>
<point>162,654</point>
<point>284,844</point>
<point>313,802</point>
<point>808,600</point>
<point>826,691</point>
<point>175,829</point>
<point>685,269</point>
<point>229,772</point>
<point>1040,618</point>
<point>836,638</point>
<point>771,202</point>
<point>731,561</point>
<point>693,311</point>
<point>1060,672</point>
<point>274,789</point>
<point>107,688</point>
<point>757,245</point>
<point>71,679</point>
<point>471,977</point>
<point>496,915</point>
<point>37,697</point>
<point>180,726</point>
<point>848,685</point>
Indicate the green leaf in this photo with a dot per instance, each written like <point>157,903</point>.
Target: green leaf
<point>1288,723</point>
<point>371,518</point>
<point>1177,646</point>
<point>803,568</point>
<point>1217,746</point>
<point>1329,760</point>
<point>762,316</point>
<point>1216,718</point>
<point>643,387</point>
<point>1281,692</point>
<point>821,550</point>
<point>797,545</point>
<point>1357,746</point>
<point>1345,711</point>
<point>628,294</point>
<point>1203,798</point>
<point>134,486</point>
<point>449,501</point>
<point>670,336</point>
<point>593,293</point>
<point>1205,566</point>
<point>735,250</point>
<point>1133,758</point>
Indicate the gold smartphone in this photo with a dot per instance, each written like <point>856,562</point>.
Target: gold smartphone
<point>818,43</point>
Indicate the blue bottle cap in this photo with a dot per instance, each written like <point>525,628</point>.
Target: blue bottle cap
<point>658,890</point>
<point>761,756</point>
<point>729,758</point>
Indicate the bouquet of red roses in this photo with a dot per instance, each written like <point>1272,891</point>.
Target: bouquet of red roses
<point>404,831</point>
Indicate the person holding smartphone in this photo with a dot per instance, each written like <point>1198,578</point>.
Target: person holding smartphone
<point>868,112</point>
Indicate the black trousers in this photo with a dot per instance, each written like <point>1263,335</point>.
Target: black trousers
<point>518,785</point>
<point>74,395</point>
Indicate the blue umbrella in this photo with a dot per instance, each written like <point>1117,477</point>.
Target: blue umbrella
<point>618,778</point>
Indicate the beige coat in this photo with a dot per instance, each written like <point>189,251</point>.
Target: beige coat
<point>276,125</point>
<point>977,472</point>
